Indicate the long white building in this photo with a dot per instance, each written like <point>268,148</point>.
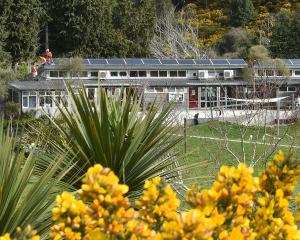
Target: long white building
<point>191,83</point>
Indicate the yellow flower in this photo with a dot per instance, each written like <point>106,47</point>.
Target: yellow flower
<point>5,237</point>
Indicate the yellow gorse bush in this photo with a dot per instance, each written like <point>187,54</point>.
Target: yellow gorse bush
<point>237,206</point>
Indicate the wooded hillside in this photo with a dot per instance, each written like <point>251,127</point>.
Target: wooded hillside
<point>144,28</point>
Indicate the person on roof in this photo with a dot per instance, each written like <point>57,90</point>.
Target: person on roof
<point>43,60</point>
<point>48,56</point>
<point>34,72</point>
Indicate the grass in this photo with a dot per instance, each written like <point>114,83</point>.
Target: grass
<point>205,144</point>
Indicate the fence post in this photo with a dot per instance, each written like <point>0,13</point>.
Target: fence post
<point>184,135</point>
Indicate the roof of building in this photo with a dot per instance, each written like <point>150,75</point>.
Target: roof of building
<point>151,63</point>
<point>278,63</point>
<point>58,84</point>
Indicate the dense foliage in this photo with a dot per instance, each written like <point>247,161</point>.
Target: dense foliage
<point>237,206</point>
<point>125,28</point>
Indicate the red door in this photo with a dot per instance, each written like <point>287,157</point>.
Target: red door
<point>193,97</point>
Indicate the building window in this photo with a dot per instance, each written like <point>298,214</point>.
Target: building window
<point>291,89</point>
<point>173,74</point>
<point>142,74</point>
<point>182,73</point>
<point>154,73</point>
<point>163,73</point>
<point>270,73</point>
<point>176,97</point>
<point>113,74</point>
<point>54,74</point>
<point>25,102</point>
<point>283,89</point>
<point>279,73</point>
<point>133,74</point>
<point>159,89</point>
<point>94,74</point>
<point>62,74</point>
<point>45,99</point>
<point>83,74</point>
<point>29,100</point>
<point>171,90</point>
<point>150,89</point>
<point>123,74</point>
<point>260,73</point>
<point>297,73</point>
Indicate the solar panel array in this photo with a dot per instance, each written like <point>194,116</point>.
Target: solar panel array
<point>154,61</point>
<point>292,62</point>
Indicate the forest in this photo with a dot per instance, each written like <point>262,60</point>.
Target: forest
<point>147,28</point>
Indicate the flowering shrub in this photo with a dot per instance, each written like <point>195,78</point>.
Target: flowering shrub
<point>23,234</point>
<point>237,206</point>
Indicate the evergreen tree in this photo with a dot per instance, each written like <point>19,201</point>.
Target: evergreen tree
<point>236,43</point>
<point>294,36</point>
<point>280,39</point>
<point>4,56</point>
<point>242,12</point>
<point>81,27</point>
<point>144,29</point>
<point>163,6</point>
<point>101,28</point>
<point>22,27</point>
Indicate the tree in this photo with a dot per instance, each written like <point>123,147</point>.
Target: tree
<point>101,28</point>
<point>280,38</point>
<point>176,39</point>
<point>22,27</point>
<point>294,36</point>
<point>145,21</point>
<point>4,55</point>
<point>81,27</point>
<point>242,12</point>
<point>236,43</point>
<point>162,7</point>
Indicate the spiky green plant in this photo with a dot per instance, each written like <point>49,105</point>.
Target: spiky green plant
<point>28,186</point>
<point>113,131</point>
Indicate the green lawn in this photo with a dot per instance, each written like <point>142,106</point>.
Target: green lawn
<point>205,145</point>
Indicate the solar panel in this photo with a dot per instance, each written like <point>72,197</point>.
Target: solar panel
<point>186,61</point>
<point>151,61</point>
<point>219,61</point>
<point>98,61</point>
<point>116,61</point>
<point>86,61</point>
<point>169,61</point>
<point>133,61</point>
<point>287,62</point>
<point>236,61</point>
<point>295,61</point>
<point>203,61</point>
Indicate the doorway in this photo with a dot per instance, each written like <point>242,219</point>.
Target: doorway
<point>193,97</point>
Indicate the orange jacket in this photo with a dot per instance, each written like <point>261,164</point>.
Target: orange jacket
<point>48,56</point>
<point>34,72</point>
<point>43,60</point>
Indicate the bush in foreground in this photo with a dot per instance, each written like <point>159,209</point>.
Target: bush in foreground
<point>237,206</point>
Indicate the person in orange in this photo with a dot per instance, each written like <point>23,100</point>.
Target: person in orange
<point>43,60</point>
<point>34,72</point>
<point>48,56</point>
